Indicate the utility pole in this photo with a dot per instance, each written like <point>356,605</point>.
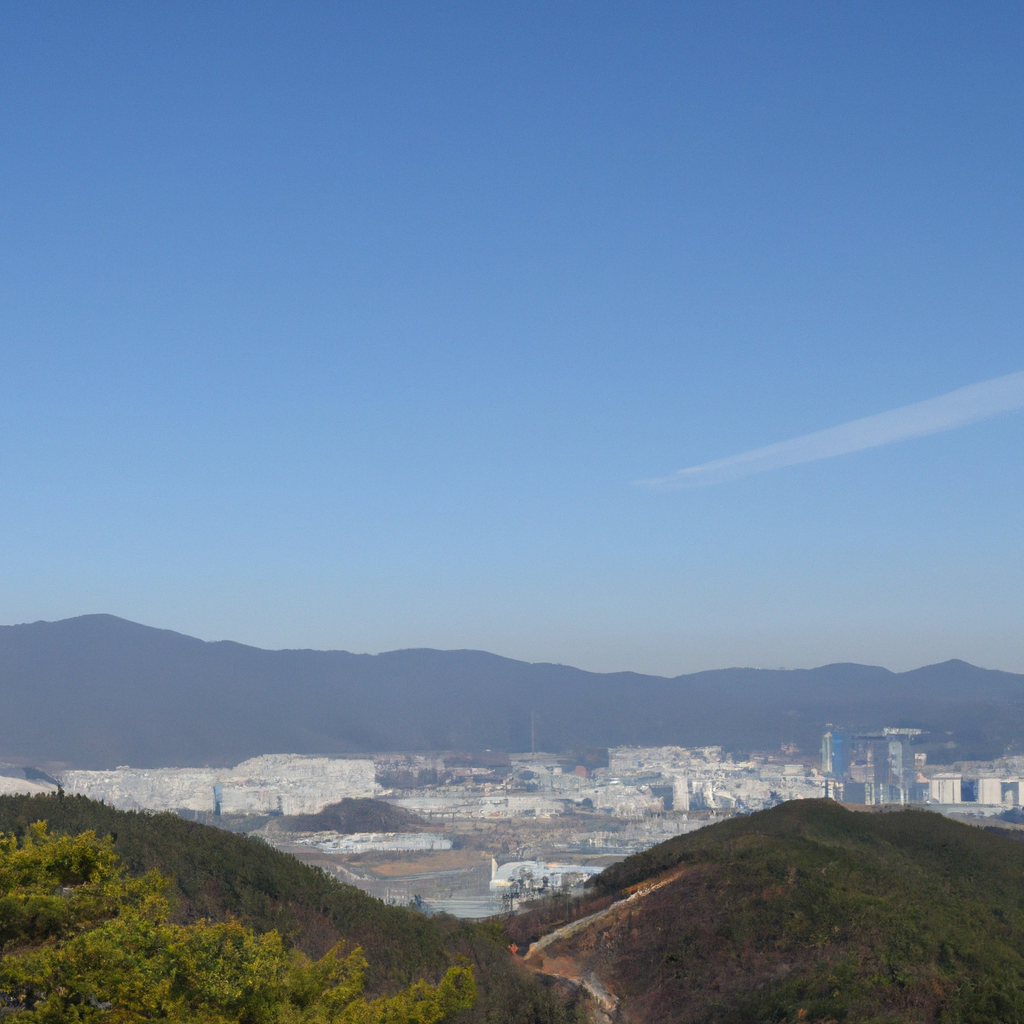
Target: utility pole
<point>533,739</point>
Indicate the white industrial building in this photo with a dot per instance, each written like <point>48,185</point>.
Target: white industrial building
<point>272,783</point>
<point>945,788</point>
<point>983,791</point>
<point>536,874</point>
<point>990,791</point>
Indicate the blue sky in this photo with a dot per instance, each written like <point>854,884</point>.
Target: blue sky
<point>354,325</point>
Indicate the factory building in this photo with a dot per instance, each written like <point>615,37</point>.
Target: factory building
<point>945,788</point>
<point>990,791</point>
<point>532,875</point>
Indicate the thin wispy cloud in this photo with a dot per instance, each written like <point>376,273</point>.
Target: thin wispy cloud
<point>947,412</point>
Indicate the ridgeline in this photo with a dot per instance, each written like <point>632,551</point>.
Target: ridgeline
<point>98,691</point>
<point>807,911</point>
<point>348,816</point>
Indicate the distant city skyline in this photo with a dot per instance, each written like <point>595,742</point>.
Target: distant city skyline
<point>355,326</point>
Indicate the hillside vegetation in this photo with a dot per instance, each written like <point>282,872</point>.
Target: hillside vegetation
<point>82,941</point>
<point>221,876</point>
<point>808,912</point>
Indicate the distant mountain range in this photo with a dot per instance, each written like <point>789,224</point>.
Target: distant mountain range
<point>98,691</point>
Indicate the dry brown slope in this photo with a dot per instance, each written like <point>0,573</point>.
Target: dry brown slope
<point>811,912</point>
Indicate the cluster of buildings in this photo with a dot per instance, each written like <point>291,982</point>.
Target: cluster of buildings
<point>271,784</point>
<point>631,784</point>
<point>874,767</point>
<point>708,779</point>
<point>522,879</point>
<point>884,768</point>
<point>624,784</point>
<point>983,790</point>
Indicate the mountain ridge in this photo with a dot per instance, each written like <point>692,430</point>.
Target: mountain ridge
<point>108,617</point>
<point>98,690</point>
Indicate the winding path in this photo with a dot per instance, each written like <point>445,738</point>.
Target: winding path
<point>565,967</point>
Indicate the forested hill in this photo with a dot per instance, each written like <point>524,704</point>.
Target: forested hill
<point>220,875</point>
<point>807,911</point>
<point>349,816</point>
<point>98,691</point>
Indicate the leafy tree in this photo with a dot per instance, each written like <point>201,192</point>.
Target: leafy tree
<point>81,941</point>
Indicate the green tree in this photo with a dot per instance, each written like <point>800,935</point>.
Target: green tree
<point>82,941</point>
